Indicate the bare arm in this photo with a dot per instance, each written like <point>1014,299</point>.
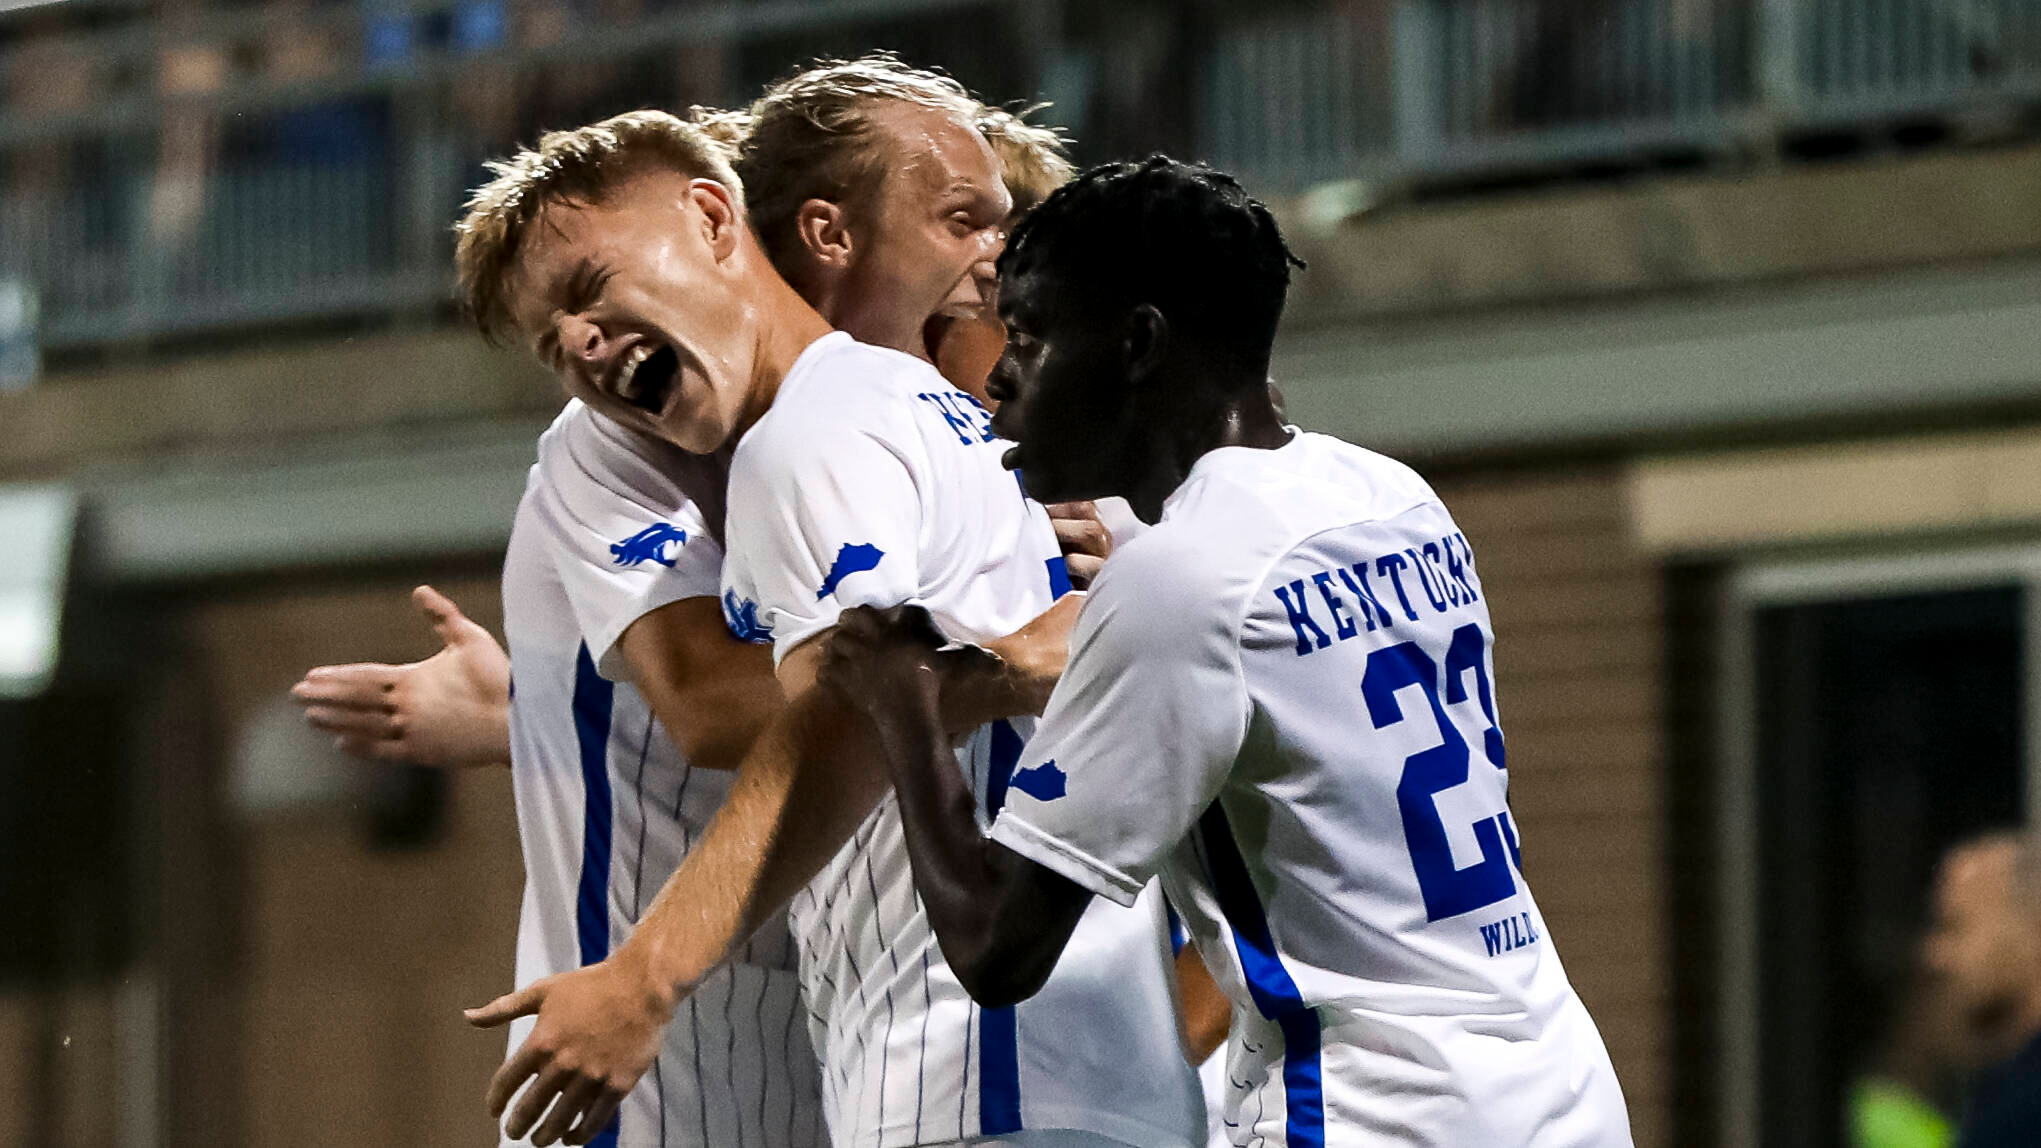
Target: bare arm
<point>1029,661</point>
<point>1208,1015</point>
<point>713,693</point>
<point>803,790</point>
<point>812,776</point>
<point>800,793</point>
<point>1003,920</point>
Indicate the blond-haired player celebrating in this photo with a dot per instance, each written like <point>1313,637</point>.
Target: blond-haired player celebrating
<point>628,265</point>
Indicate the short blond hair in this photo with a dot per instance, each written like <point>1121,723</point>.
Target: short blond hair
<point>813,137</point>
<point>1033,158</point>
<point>581,166</point>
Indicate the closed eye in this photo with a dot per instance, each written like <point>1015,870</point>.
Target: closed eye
<point>585,287</point>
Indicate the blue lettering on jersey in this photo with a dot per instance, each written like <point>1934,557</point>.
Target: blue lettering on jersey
<point>1509,934</point>
<point>1043,783</point>
<point>852,558</point>
<point>1444,569</point>
<point>967,417</point>
<point>1392,566</point>
<point>649,545</point>
<point>742,618</point>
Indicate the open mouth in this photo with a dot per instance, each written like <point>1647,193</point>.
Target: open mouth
<point>647,377</point>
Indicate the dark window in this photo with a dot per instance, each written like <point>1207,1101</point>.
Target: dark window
<point>1887,729</point>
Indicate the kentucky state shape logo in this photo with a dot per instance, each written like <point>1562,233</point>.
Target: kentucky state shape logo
<point>1043,783</point>
<point>649,545</point>
<point>853,558</point>
<point>741,616</point>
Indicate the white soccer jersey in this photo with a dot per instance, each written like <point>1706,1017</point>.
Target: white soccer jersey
<point>612,526</point>
<point>1281,699</point>
<point>872,481</point>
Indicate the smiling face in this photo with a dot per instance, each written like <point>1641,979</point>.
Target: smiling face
<point>636,303</point>
<point>924,239</point>
<point>1063,394</point>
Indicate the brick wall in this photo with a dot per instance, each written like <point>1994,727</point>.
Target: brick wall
<point>356,962</point>
<point>1579,633</point>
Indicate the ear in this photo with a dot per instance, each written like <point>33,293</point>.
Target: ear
<point>722,220</point>
<point>820,224</point>
<point>1146,344</point>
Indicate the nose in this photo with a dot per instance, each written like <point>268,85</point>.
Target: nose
<point>999,384</point>
<point>582,341</point>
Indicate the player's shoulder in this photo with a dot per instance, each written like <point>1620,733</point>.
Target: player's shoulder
<point>1242,509</point>
<point>840,391</point>
<point>596,475</point>
<point>840,384</point>
<point>584,445</point>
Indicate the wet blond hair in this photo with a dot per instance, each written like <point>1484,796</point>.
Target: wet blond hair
<point>581,166</point>
<point>1032,158</point>
<point>813,136</point>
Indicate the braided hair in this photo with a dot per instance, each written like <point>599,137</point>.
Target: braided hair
<point>1181,237</point>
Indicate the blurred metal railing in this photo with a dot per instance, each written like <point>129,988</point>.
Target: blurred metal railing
<point>292,162</point>
<point>268,243</point>
<point>1321,89</point>
<point>287,163</point>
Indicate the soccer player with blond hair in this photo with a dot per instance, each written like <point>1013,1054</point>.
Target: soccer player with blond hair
<point>621,254</point>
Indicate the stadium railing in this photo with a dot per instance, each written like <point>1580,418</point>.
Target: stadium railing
<point>333,144</point>
<point>1438,89</point>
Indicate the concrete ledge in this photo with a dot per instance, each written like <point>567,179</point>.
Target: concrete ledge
<point>1667,233</point>
<point>262,398</point>
<point>1720,503</point>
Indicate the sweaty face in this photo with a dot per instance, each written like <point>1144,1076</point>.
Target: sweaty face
<point>925,238</point>
<point>1062,396</point>
<point>633,303</point>
<point>1979,945</point>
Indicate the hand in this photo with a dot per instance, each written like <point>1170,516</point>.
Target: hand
<point>877,656</point>
<point>451,709</point>
<point>1084,538</point>
<point>598,1030</point>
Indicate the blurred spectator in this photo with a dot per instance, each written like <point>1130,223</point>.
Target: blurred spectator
<point>190,70</point>
<point>302,48</point>
<point>1986,948</point>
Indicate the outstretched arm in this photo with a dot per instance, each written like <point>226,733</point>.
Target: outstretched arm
<point>1003,920</point>
<point>800,793</point>
<point>812,777</point>
<point>452,709</point>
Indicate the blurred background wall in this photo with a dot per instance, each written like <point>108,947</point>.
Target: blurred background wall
<point>1717,322</point>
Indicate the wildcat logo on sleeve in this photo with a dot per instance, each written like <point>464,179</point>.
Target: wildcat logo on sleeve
<point>1043,783</point>
<point>853,558</point>
<point>649,545</point>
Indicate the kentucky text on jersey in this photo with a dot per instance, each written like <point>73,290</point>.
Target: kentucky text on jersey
<point>1443,571</point>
